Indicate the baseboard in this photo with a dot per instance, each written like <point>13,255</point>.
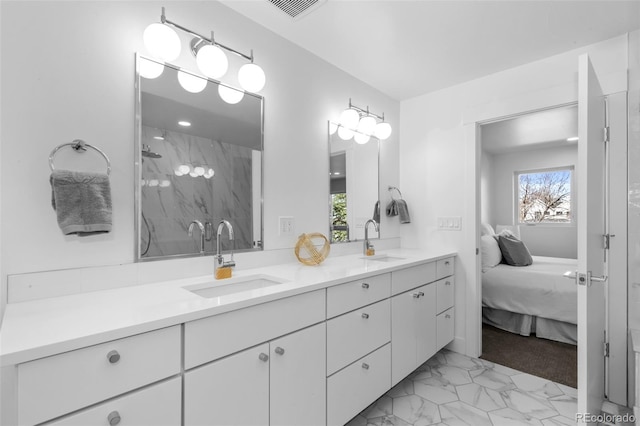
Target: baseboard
<point>459,345</point>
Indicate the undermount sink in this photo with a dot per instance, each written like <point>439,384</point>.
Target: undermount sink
<point>233,285</point>
<point>383,258</point>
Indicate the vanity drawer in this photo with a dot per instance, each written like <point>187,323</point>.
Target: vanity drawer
<point>351,390</point>
<point>355,334</point>
<point>415,276</point>
<point>59,384</point>
<point>215,337</point>
<point>355,294</point>
<point>444,267</point>
<point>156,405</point>
<point>445,328</point>
<point>444,293</point>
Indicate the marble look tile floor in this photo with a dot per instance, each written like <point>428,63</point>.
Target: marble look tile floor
<point>453,389</point>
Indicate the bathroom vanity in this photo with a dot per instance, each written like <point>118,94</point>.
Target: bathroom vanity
<point>281,345</point>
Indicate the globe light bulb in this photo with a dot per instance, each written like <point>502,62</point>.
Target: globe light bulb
<point>191,83</point>
<point>209,174</point>
<point>150,69</point>
<point>382,131</point>
<point>229,95</point>
<point>177,172</point>
<point>199,171</point>
<point>184,169</point>
<point>212,61</point>
<point>361,138</point>
<point>162,42</point>
<point>344,133</point>
<point>367,125</point>
<point>165,183</point>
<point>153,182</point>
<point>349,118</point>
<point>251,77</point>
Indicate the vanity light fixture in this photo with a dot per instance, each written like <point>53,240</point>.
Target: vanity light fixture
<point>363,122</point>
<point>163,43</point>
<point>191,83</point>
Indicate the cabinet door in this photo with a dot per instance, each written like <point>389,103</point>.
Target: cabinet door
<point>231,391</point>
<point>298,378</point>
<point>403,335</point>
<point>425,323</point>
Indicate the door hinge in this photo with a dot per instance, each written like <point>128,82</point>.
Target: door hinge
<point>606,349</point>
<point>607,240</point>
<point>606,134</point>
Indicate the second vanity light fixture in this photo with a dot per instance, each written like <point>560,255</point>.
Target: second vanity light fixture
<point>163,43</point>
<point>360,124</point>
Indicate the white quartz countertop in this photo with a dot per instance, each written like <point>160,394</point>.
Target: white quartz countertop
<point>40,328</point>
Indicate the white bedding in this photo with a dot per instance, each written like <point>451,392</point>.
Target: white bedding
<point>538,289</point>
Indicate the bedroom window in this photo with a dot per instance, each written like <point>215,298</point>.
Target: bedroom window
<point>544,196</point>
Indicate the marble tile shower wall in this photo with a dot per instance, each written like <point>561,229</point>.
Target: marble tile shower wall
<point>171,202</point>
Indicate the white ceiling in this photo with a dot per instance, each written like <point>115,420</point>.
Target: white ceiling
<point>408,48</point>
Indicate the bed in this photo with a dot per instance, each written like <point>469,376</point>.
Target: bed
<point>534,299</point>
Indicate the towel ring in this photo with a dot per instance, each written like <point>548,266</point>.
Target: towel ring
<point>78,145</point>
<point>391,189</point>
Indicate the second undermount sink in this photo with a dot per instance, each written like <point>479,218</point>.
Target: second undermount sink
<point>383,258</point>
<point>233,285</point>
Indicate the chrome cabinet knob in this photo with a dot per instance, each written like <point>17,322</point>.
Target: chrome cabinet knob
<point>365,285</point>
<point>447,262</point>
<point>113,356</point>
<point>447,283</point>
<point>365,365</point>
<point>447,316</point>
<point>113,418</point>
<point>365,315</point>
<point>421,293</point>
<point>416,295</point>
<point>263,357</point>
<point>279,351</point>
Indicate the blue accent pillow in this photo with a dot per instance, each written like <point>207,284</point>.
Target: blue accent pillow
<point>514,252</point>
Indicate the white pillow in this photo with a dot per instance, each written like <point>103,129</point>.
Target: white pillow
<point>487,229</point>
<point>491,254</point>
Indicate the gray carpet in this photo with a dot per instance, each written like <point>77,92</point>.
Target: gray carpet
<point>551,360</point>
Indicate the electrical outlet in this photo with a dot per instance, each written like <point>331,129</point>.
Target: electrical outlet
<point>286,225</point>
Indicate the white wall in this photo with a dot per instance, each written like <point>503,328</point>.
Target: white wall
<point>541,240</point>
<point>438,161</point>
<point>68,72</point>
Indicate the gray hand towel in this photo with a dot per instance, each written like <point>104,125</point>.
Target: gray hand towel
<point>376,212</point>
<point>82,202</point>
<point>392,208</point>
<point>403,211</point>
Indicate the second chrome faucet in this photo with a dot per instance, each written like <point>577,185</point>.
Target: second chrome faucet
<point>219,263</point>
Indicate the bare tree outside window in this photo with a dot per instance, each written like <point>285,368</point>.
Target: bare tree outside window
<point>544,197</point>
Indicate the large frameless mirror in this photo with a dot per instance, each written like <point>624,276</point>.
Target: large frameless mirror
<point>198,161</point>
<point>353,187</point>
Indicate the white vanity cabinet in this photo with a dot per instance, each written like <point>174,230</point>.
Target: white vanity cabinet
<point>64,383</point>
<point>280,381</point>
<point>358,353</point>
<point>445,293</point>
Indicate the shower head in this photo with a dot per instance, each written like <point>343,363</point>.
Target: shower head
<point>146,152</point>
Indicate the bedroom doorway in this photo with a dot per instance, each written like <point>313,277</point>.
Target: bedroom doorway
<point>528,191</point>
<point>616,294</point>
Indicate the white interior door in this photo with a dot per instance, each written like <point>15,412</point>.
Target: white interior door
<point>591,228</point>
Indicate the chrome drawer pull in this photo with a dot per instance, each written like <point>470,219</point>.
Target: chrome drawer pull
<point>447,283</point>
<point>365,285</point>
<point>447,316</point>
<point>279,350</point>
<point>416,295</point>
<point>446,262</point>
<point>365,315</point>
<point>365,365</point>
<point>263,357</point>
<point>113,418</point>
<point>113,356</point>
<point>421,293</point>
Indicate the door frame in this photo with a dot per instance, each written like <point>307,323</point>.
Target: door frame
<point>472,119</point>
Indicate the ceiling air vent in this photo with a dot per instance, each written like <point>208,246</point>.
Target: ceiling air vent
<point>296,8</point>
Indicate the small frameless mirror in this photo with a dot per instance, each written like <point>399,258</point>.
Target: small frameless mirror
<point>353,187</point>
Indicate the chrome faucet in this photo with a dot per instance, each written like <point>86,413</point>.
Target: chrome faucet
<point>218,259</point>
<point>367,245</point>
<point>190,233</point>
